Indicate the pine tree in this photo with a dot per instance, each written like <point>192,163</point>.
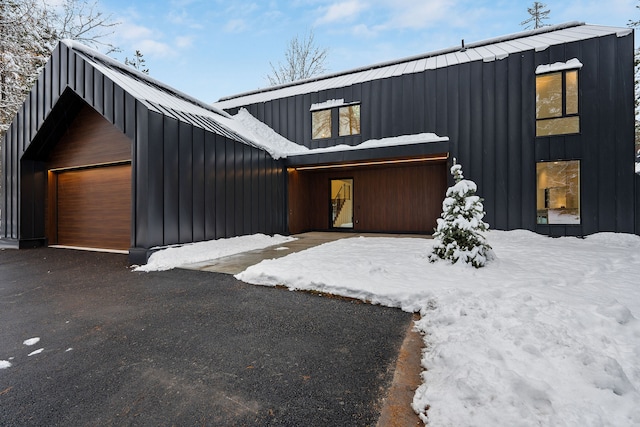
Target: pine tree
<point>538,14</point>
<point>138,62</point>
<point>458,234</point>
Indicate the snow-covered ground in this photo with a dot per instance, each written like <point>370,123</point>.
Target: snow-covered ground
<point>177,255</point>
<point>547,334</point>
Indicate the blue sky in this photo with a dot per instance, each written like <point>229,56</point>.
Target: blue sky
<point>213,48</point>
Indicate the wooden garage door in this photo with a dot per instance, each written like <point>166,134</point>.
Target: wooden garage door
<point>94,207</point>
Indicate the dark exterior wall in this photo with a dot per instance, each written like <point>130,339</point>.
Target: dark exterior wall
<point>605,145</point>
<point>195,185</point>
<point>188,184</point>
<point>487,109</point>
<point>56,96</point>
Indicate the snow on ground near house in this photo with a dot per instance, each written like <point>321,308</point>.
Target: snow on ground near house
<point>548,334</point>
<point>175,256</point>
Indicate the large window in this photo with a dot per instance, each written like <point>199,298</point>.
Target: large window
<point>323,115</point>
<point>558,192</point>
<point>557,103</point>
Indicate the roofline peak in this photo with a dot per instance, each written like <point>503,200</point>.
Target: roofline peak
<point>485,42</point>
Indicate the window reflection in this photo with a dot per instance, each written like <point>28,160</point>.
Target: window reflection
<point>557,103</point>
<point>321,124</point>
<point>349,120</point>
<point>558,192</point>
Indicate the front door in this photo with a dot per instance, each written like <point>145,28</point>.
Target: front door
<point>341,203</point>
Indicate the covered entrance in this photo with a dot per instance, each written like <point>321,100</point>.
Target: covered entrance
<point>390,196</point>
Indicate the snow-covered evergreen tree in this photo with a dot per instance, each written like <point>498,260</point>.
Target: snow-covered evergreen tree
<point>458,234</point>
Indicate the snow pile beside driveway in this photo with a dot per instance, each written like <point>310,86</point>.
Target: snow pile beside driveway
<point>175,256</point>
<point>548,334</point>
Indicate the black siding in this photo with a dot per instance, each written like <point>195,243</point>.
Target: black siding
<point>487,109</point>
<point>188,183</point>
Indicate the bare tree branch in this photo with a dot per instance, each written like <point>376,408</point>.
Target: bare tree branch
<point>303,59</point>
<point>84,22</point>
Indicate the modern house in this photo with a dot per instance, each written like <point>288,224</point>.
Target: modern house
<point>543,121</point>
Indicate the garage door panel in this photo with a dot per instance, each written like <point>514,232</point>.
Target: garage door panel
<point>94,207</point>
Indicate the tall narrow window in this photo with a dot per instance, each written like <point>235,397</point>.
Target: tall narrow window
<point>350,120</point>
<point>321,124</point>
<point>558,192</point>
<point>557,103</point>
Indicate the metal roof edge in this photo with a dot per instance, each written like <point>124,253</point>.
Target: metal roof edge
<point>512,36</point>
<point>97,56</point>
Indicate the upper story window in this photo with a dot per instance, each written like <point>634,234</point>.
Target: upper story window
<point>349,120</point>
<point>325,114</point>
<point>557,98</point>
<point>321,124</point>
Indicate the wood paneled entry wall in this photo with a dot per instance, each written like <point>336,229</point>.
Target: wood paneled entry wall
<point>89,185</point>
<point>395,197</point>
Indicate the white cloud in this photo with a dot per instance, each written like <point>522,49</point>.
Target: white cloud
<point>363,30</point>
<point>183,41</point>
<point>235,26</point>
<point>417,14</point>
<point>154,48</point>
<point>129,31</point>
<point>340,12</point>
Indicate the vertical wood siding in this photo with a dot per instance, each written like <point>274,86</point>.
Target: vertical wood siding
<point>390,198</point>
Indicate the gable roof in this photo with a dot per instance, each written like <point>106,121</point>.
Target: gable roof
<point>161,98</point>
<point>487,50</point>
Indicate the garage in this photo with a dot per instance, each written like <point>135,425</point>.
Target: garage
<point>89,185</point>
<point>94,207</point>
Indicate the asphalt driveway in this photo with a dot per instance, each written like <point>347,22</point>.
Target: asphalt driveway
<point>183,348</point>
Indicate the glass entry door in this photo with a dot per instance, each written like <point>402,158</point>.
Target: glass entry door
<point>341,203</point>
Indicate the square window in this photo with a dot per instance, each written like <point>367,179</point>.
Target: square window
<point>558,192</point>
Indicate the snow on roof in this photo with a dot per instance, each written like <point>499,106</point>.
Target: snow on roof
<point>140,85</point>
<point>419,138</point>
<point>571,64</point>
<point>162,98</point>
<point>487,51</point>
<point>242,127</point>
<point>327,104</point>
<point>280,147</point>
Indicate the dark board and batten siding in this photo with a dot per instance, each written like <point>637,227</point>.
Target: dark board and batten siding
<point>195,185</point>
<point>188,184</point>
<point>487,109</point>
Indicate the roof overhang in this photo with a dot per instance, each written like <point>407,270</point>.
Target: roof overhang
<point>410,153</point>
